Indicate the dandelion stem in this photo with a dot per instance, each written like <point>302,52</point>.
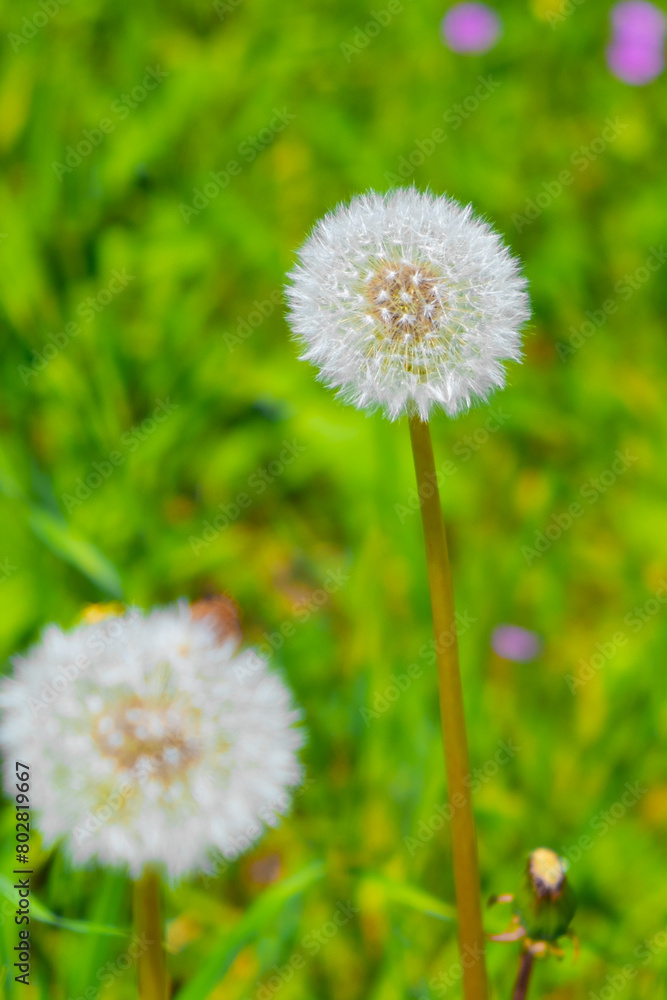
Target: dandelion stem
<point>457,766</point>
<point>151,970</point>
<point>523,978</point>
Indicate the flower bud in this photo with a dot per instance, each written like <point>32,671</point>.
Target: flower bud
<point>545,903</point>
<point>223,614</point>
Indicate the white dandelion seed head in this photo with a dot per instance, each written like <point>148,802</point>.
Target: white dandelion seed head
<point>406,301</point>
<point>150,741</point>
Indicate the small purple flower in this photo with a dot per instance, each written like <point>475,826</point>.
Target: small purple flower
<point>471,27</point>
<point>638,20</point>
<point>634,62</point>
<point>512,642</point>
<point>636,52</point>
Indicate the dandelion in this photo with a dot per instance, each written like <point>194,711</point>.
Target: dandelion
<point>407,302</point>
<point>162,744</point>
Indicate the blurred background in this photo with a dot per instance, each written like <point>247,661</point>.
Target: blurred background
<point>159,438</point>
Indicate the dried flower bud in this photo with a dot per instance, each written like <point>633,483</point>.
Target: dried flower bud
<point>545,904</point>
<point>223,614</point>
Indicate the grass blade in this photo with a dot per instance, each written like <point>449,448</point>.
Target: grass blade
<point>262,911</point>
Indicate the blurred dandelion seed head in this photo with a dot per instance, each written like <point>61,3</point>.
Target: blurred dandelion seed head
<point>406,301</point>
<point>157,730</point>
<point>140,725</point>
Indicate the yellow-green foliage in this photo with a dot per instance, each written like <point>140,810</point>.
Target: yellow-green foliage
<point>293,113</point>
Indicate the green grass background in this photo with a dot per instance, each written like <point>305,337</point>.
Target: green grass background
<point>172,334</point>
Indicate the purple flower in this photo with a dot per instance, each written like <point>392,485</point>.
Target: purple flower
<point>470,27</point>
<point>636,53</point>
<point>638,20</point>
<point>515,643</point>
<point>635,62</point>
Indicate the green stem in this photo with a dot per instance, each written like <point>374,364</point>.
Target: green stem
<point>457,765</point>
<point>151,969</point>
<point>523,978</point>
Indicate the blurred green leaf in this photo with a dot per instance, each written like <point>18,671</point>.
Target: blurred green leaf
<point>69,545</point>
<point>259,914</point>
<point>8,484</point>
<point>43,915</point>
<point>409,895</point>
